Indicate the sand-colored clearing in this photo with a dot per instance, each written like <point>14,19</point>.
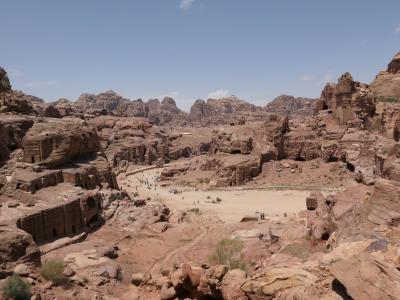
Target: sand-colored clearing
<point>235,203</point>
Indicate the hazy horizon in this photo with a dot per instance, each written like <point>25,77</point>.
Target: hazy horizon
<point>194,49</point>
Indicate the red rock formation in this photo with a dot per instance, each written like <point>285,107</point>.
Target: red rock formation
<point>386,83</point>
<point>290,106</point>
<point>224,110</point>
<point>349,100</point>
<point>54,143</point>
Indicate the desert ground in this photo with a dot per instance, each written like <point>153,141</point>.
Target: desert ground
<point>236,203</point>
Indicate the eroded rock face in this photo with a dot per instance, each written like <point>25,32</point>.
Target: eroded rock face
<point>285,282</point>
<point>12,130</point>
<point>238,173</point>
<point>387,83</point>
<point>384,207</point>
<point>17,246</point>
<point>301,145</point>
<point>230,143</point>
<point>290,106</point>
<point>4,81</point>
<point>224,110</point>
<point>366,277</point>
<point>15,101</point>
<point>110,102</point>
<point>54,143</point>
<point>349,100</point>
<point>394,65</point>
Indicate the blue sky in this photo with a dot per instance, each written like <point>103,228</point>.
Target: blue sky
<point>190,49</point>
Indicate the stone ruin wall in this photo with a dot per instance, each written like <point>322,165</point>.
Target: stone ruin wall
<point>63,220</point>
<point>41,182</point>
<point>87,179</point>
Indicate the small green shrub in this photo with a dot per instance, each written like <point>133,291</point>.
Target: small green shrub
<point>16,288</point>
<point>387,99</point>
<point>229,252</point>
<point>53,270</point>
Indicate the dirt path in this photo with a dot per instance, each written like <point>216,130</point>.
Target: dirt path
<point>155,268</point>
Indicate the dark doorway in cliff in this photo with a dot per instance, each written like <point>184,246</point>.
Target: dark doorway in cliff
<point>73,229</point>
<point>33,159</point>
<point>340,289</point>
<point>350,167</point>
<point>54,232</point>
<point>91,203</point>
<point>93,221</point>
<point>236,151</point>
<point>325,236</point>
<point>396,135</point>
<point>333,159</point>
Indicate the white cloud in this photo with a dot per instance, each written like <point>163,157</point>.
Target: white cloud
<point>40,83</point>
<point>397,29</point>
<point>328,77</point>
<point>186,4</point>
<point>306,77</point>
<point>221,93</point>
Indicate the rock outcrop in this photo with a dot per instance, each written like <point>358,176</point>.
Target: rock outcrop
<point>224,110</point>
<point>227,142</point>
<point>384,207</point>
<point>110,102</point>
<point>290,106</point>
<point>54,143</point>
<point>349,101</point>
<point>4,81</point>
<point>12,130</point>
<point>386,85</point>
<point>16,247</point>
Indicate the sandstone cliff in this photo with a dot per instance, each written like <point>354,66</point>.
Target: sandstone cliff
<point>111,102</point>
<point>290,106</point>
<point>387,83</point>
<point>224,110</point>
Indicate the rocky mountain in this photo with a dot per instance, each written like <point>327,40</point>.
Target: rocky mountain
<point>111,102</point>
<point>108,100</point>
<point>387,83</point>
<point>224,109</point>
<point>291,106</point>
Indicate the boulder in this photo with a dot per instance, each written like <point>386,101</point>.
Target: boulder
<point>17,246</point>
<point>167,292</point>
<point>366,277</point>
<point>384,206</point>
<point>231,285</point>
<point>278,281</point>
<point>107,251</point>
<point>137,278</point>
